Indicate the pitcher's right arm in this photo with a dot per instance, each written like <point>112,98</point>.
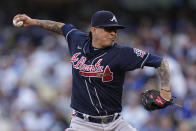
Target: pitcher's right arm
<point>45,24</point>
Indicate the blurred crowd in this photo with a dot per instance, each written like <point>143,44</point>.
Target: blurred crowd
<point>36,79</point>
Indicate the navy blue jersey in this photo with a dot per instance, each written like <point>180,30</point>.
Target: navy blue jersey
<point>98,74</point>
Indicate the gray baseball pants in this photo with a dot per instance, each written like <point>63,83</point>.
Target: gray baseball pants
<point>78,124</point>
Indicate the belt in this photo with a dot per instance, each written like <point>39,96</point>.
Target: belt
<point>104,120</point>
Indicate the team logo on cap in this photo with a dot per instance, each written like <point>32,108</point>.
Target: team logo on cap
<point>114,19</point>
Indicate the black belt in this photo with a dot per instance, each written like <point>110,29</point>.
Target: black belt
<point>104,120</point>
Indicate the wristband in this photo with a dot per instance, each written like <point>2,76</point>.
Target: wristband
<point>166,90</point>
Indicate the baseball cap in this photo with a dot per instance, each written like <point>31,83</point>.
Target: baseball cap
<point>105,19</point>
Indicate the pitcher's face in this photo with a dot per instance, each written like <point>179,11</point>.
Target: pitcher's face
<point>105,37</point>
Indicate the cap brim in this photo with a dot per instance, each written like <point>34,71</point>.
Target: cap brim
<point>117,26</point>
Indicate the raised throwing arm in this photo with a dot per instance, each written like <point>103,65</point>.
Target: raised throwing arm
<point>164,74</point>
<point>45,24</point>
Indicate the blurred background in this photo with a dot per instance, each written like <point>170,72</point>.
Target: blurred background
<point>35,73</point>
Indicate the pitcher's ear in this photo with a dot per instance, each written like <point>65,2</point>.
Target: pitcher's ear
<point>92,29</point>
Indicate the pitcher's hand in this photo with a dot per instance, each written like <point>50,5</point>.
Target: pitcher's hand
<point>27,21</point>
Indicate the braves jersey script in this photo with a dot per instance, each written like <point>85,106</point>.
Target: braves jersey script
<point>98,74</point>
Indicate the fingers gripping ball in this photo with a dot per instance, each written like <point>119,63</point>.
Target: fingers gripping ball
<point>17,24</point>
<point>151,100</point>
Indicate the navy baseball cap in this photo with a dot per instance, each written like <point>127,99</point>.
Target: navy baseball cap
<point>103,19</point>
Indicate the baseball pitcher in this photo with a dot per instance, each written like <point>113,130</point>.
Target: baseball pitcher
<point>99,65</point>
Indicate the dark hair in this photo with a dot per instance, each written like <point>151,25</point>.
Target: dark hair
<point>90,36</point>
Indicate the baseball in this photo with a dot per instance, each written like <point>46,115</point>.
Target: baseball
<point>18,24</point>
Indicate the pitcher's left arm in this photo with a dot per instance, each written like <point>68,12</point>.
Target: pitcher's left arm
<point>164,74</point>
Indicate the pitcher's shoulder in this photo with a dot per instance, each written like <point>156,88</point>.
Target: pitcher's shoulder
<point>122,47</point>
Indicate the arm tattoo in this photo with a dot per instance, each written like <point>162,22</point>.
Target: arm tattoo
<point>50,25</point>
<point>164,73</point>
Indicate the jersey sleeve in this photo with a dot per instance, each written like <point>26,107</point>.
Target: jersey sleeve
<point>133,58</point>
<point>153,60</point>
<point>73,36</point>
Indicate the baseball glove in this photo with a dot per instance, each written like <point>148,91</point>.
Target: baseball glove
<point>151,100</point>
